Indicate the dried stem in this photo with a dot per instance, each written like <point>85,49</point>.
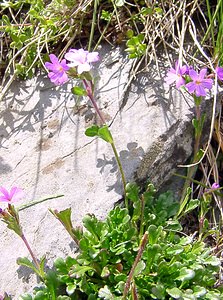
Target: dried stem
<point>137,259</point>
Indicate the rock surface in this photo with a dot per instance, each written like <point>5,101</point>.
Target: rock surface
<point>45,152</point>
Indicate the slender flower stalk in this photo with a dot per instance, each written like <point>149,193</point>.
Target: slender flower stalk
<point>121,172</point>
<point>94,103</point>
<point>91,97</point>
<point>198,133</point>
<point>30,251</point>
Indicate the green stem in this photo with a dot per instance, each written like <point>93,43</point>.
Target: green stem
<point>91,97</point>
<point>29,204</point>
<point>93,22</point>
<point>121,172</point>
<point>192,170</point>
<point>142,215</point>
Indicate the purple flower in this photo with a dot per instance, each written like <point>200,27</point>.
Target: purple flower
<point>215,186</point>
<point>199,83</point>
<point>176,75</point>
<point>81,59</point>
<point>14,195</point>
<point>219,72</point>
<point>58,75</point>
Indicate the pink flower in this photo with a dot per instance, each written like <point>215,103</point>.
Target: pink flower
<point>14,195</point>
<point>176,75</point>
<point>219,72</point>
<point>199,83</point>
<point>58,75</point>
<point>81,59</point>
<point>215,186</point>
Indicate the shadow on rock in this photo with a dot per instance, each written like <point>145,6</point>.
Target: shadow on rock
<point>130,160</point>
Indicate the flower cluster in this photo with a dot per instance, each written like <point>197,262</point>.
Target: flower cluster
<point>79,59</point>
<point>196,83</point>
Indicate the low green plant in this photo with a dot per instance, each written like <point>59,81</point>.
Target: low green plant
<point>136,46</point>
<point>141,254</point>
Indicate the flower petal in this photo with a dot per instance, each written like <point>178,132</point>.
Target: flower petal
<point>179,82</point>
<point>207,83</point>
<point>16,194</point>
<point>219,72</point>
<point>93,57</point>
<point>64,65</point>
<point>200,91</point>
<point>3,199</point>
<point>191,86</point>
<point>54,59</point>
<point>77,56</point>
<point>83,68</point>
<point>193,74</point>
<point>202,74</point>
<point>50,66</point>
<point>5,193</point>
<point>184,69</point>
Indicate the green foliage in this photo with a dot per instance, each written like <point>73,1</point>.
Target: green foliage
<point>24,261</point>
<point>136,46</point>
<point>172,265</point>
<point>214,31</point>
<point>102,132</point>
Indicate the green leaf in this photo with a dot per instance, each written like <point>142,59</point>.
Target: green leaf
<point>60,265</point>
<point>52,283</point>
<point>102,132</point>
<point>158,291</point>
<point>79,91</point>
<point>199,291</point>
<point>93,225</point>
<point>152,234</point>
<point>70,289</point>
<point>213,261</point>
<point>132,192</point>
<point>78,271</point>
<point>92,131</point>
<point>174,292</point>
<point>193,203</point>
<point>105,134</point>
<point>64,216</point>
<point>173,225</point>
<point>24,261</point>
<point>5,19</point>
<point>174,249</point>
<point>139,268</point>
<point>105,272</point>
<point>186,274</point>
<point>213,295</point>
<point>41,295</point>
<point>25,297</point>
<point>42,265</point>
<point>105,293</point>
<point>129,33</point>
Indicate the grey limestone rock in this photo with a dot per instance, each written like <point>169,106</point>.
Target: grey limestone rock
<point>45,152</point>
